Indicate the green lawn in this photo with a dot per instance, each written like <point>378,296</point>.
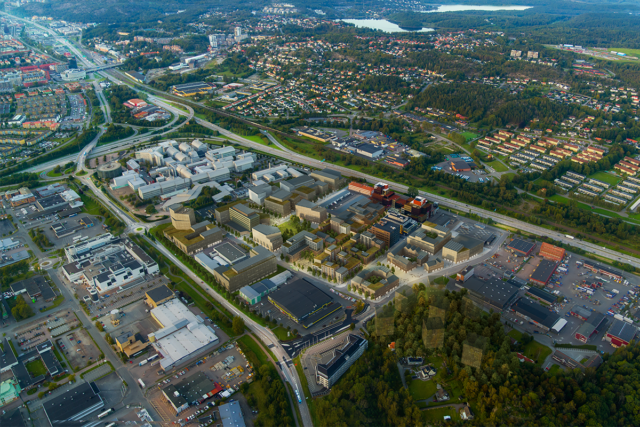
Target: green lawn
<point>441,280</point>
<point>281,333</point>
<point>437,415</point>
<point>90,205</point>
<point>81,173</point>
<point>288,225</point>
<point>36,368</point>
<point>261,139</point>
<point>606,177</point>
<point>631,52</point>
<point>554,369</point>
<point>534,350</point>
<point>509,175</point>
<point>469,135</point>
<point>498,166</point>
<point>56,302</point>
<point>422,389</point>
<point>53,174</point>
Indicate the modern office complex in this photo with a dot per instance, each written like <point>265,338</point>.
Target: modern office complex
<point>189,236</point>
<point>261,264</point>
<point>267,236</point>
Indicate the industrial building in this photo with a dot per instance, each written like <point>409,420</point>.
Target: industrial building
<point>253,294</point>
<point>191,89</point>
<point>595,323</point>
<point>329,176</point>
<point>541,295</point>
<point>543,272</point>
<point>621,333</point>
<point>183,336</point>
<point>191,237</point>
<point>303,302</point>
<point>33,288</point>
<point>551,252</point>
<point>191,390</point>
<point>231,415</point>
<point>261,264</point>
<point>327,374</point>
<point>74,406</point>
<point>604,270</point>
<point>491,290</point>
<point>158,296</point>
<point>539,315</point>
<point>521,247</point>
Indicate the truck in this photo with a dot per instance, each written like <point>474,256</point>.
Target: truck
<point>615,291</point>
<point>142,386</point>
<point>568,236</point>
<point>144,362</point>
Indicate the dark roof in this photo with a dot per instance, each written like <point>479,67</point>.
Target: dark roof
<point>51,362</point>
<point>592,324</point>
<point>160,293</point>
<point>535,312</point>
<point>12,419</point>
<point>544,271</point>
<point>300,298</point>
<point>493,291</point>
<point>522,246</point>
<point>543,295</point>
<point>341,356</point>
<point>71,403</point>
<point>7,357</point>
<point>230,252</point>
<point>36,285</point>
<point>190,389</point>
<point>602,267</point>
<point>622,330</point>
<point>51,201</point>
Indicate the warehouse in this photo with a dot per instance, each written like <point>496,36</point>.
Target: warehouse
<point>620,333</point>
<point>604,270</point>
<point>538,315</point>
<point>543,272</point>
<point>596,322</point>
<point>542,296</point>
<point>190,391</point>
<point>191,89</point>
<point>74,405</point>
<point>492,291</point>
<point>521,247</point>
<point>370,150</point>
<point>303,302</point>
<point>551,252</point>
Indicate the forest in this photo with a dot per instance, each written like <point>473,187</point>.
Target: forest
<point>148,62</point>
<point>500,389</point>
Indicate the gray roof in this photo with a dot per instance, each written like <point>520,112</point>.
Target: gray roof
<point>266,229</point>
<point>262,254</point>
<point>231,415</point>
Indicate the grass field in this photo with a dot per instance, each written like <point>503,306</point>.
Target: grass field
<point>53,174</point>
<point>509,175</point>
<point>469,135</point>
<point>90,206</point>
<point>281,333</point>
<point>533,350</point>
<point>606,177</point>
<point>498,166</point>
<point>554,369</point>
<point>288,225</point>
<point>437,415</point>
<point>36,368</point>
<point>259,357</point>
<point>630,52</point>
<point>422,389</point>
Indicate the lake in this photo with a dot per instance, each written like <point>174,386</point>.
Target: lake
<point>462,8</point>
<point>382,25</point>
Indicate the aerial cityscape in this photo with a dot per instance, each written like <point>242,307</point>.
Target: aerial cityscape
<point>319,213</point>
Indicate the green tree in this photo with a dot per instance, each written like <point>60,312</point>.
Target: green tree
<point>238,325</point>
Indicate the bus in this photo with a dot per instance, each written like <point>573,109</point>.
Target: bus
<point>141,383</point>
<point>152,358</point>
<point>105,413</point>
<point>298,396</point>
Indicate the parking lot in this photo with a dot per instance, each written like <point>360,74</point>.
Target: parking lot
<point>77,110</point>
<point>71,224</point>
<point>78,348</point>
<point>38,332</point>
<point>6,227</point>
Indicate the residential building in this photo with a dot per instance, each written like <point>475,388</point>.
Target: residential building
<point>375,281</point>
<point>295,245</point>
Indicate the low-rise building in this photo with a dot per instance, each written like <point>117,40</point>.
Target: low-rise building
<point>461,248</point>
<point>375,281</point>
<point>430,237</point>
<point>311,212</point>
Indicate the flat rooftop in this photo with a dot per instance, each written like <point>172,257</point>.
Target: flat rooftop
<point>521,246</point>
<point>300,298</point>
<point>230,252</point>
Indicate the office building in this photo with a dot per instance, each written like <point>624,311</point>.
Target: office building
<point>329,176</point>
<point>461,248</point>
<point>261,264</point>
<point>279,202</point>
<point>327,374</point>
<point>430,237</point>
<point>191,237</point>
<point>267,236</point>
<point>386,231</point>
<point>311,212</point>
